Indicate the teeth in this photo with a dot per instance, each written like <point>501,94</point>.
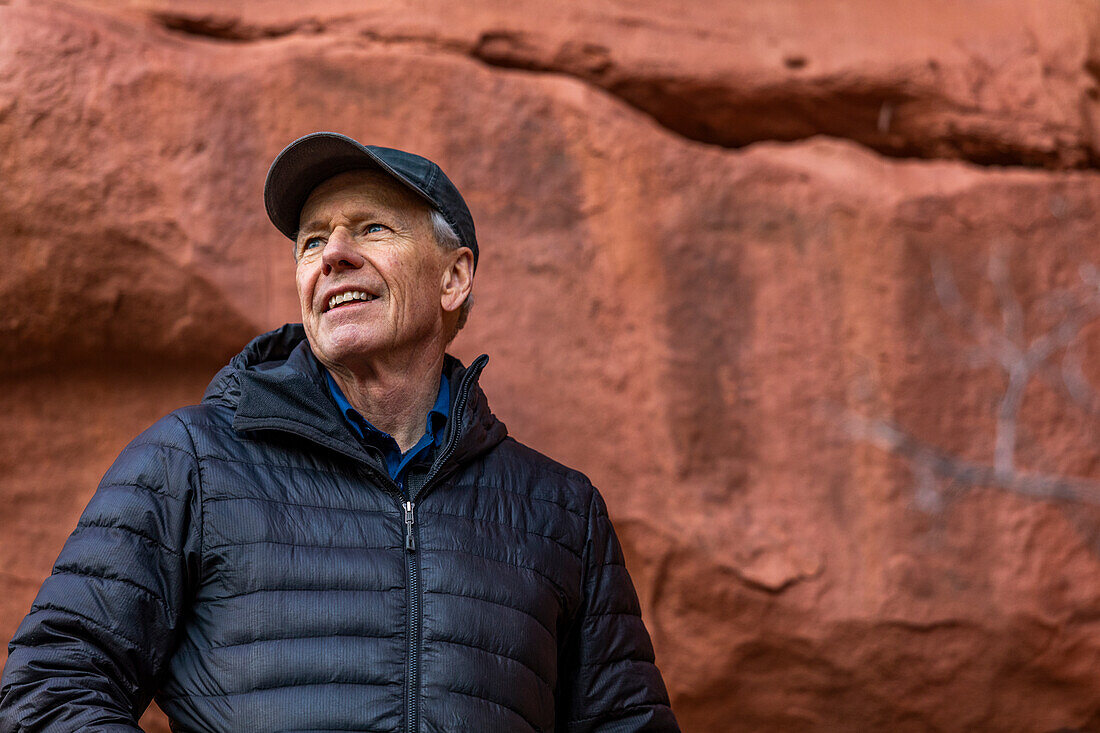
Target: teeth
<point>350,295</point>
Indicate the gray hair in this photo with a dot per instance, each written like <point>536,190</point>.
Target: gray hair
<point>448,241</point>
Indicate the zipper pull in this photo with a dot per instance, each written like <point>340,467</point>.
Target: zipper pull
<point>410,543</point>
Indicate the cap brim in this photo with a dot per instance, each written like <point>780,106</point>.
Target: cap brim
<point>305,164</point>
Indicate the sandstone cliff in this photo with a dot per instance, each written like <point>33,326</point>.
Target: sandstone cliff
<point>806,287</point>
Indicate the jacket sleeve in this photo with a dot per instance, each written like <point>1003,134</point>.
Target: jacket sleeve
<point>607,677</point>
<point>92,649</point>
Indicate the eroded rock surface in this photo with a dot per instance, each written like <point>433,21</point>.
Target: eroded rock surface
<point>990,81</point>
<point>784,363</point>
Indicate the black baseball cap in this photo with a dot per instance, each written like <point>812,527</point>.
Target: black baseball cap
<point>309,161</point>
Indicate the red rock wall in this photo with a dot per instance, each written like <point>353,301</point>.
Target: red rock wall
<point>805,286</point>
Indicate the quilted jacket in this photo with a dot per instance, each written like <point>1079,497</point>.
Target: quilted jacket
<point>249,561</point>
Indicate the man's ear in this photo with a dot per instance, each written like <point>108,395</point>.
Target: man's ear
<point>458,279</point>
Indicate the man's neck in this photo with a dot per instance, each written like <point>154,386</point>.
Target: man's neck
<point>395,398</point>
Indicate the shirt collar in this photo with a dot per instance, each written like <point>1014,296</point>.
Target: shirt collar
<point>436,422</point>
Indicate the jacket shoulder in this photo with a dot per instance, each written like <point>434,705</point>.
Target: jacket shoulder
<point>519,467</point>
<point>204,416</point>
<point>193,427</point>
<point>178,438</point>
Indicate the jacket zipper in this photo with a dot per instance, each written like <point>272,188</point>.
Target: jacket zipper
<point>412,691</point>
<point>409,508</point>
<point>412,567</point>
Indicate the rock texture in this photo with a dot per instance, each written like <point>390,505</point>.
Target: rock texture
<point>805,287</point>
<point>997,82</point>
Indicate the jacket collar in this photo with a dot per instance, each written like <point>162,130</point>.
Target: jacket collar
<point>275,383</point>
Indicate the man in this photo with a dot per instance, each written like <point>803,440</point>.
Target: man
<point>341,536</point>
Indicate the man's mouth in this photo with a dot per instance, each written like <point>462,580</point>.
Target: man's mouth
<point>352,296</point>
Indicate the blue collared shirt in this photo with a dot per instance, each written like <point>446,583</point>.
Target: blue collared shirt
<point>396,461</point>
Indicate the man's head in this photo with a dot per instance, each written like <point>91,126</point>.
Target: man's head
<point>374,223</point>
<point>371,275</point>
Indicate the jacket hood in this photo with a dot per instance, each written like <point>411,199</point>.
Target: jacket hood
<point>276,383</point>
<point>267,351</point>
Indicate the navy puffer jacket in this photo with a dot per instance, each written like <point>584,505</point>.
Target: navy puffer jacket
<point>250,562</point>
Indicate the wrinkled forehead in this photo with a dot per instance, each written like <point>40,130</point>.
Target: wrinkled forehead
<point>361,188</point>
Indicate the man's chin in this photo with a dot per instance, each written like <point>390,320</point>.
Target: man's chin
<point>346,344</point>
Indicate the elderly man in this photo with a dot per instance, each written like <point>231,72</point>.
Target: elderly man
<point>341,536</point>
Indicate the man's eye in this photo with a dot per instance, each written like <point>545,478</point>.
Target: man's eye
<point>373,228</point>
<point>312,242</point>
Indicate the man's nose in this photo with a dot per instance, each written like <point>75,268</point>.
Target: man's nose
<point>340,252</point>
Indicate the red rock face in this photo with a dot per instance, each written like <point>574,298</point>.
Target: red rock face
<point>806,288</point>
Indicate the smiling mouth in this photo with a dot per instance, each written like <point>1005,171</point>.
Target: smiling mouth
<point>352,296</point>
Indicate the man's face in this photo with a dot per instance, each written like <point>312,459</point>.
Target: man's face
<point>365,237</point>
